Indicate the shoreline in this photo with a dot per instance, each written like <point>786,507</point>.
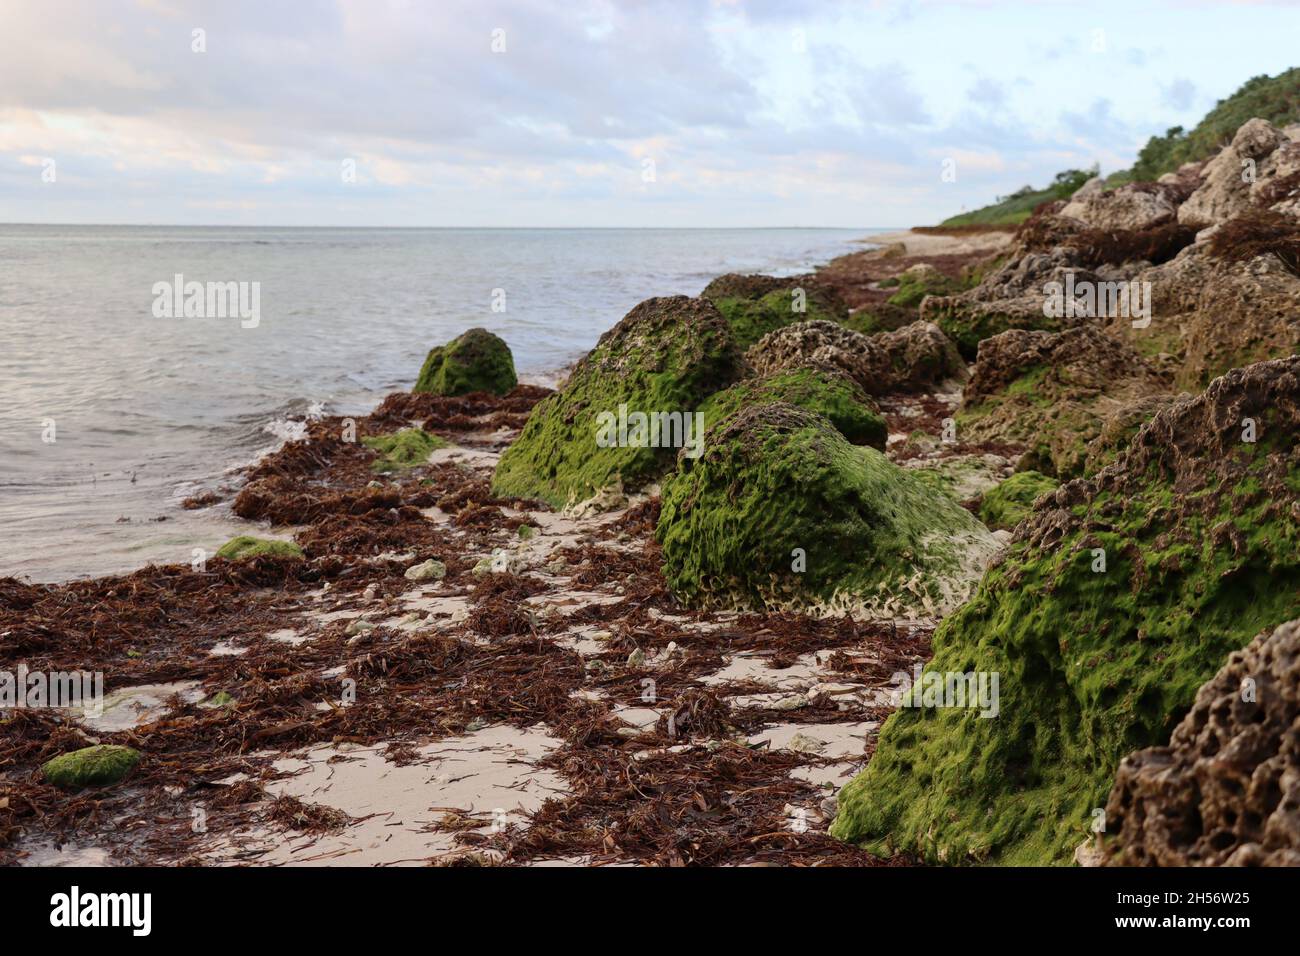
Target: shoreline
<point>237,706</point>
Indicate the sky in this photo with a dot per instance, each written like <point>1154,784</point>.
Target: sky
<point>593,112</point>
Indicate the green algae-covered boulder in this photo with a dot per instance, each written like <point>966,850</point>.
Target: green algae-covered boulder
<point>476,361</point>
<point>754,305</point>
<point>627,408</point>
<point>781,511</point>
<point>403,449</point>
<point>1117,599</point>
<point>827,391</point>
<point>1051,392</point>
<point>247,546</point>
<point>91,766</point>
<point>1006,505</point>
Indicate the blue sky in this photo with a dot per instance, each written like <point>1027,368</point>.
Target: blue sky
<point>592,113</point>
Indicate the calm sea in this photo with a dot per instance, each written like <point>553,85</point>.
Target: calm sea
<point>144,411</point>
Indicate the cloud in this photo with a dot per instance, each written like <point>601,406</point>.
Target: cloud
<point>487,108</point>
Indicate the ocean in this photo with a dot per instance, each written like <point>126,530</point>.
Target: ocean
<point>111,413</point>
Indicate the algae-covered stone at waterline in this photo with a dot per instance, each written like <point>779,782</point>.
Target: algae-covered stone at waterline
<point>91,766</point>
<point>475,361</point>
<point>781,511</point>
<point>665,358</point>
<point>1116,600</point>
<point>247,546</point>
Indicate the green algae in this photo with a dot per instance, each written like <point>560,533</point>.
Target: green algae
<point>91,766</point>
<point>475,361</point>
<point>403,449</point>
<point>968,325</point>
<point>781,510</point>
<point>753,316</point>
<point>1093,663</point>
<point>826,391</point>
<point>667,355</point>
<point>246,546</point>
<point>914,285</point>
<point>1006,505</point>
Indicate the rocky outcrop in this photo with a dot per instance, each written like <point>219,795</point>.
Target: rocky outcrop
<point>1136,206</point>
<point>1209,315</point>
<point>1232,180</point>
<point>1115,601</point>
<point>1012,297</point>
<point>913,357</point>
<point>1051,392</point>
<point>664,358</point>
<point>781,512</point>
<point>475,361</point>
<point>1225,791</point>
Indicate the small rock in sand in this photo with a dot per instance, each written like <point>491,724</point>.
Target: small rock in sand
<point>430,570</point>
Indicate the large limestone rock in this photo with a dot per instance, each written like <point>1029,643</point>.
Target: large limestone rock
<point>1114,602</point>
<point>914,357</point>
<point>1209,316</point>
<point>1232,178</point>
<point>1051,392</point>
<point>780,511</point>
<point>1012,297</point>
<point>1135,206</point>
<point>1225,791</point>
<point>665,357</point>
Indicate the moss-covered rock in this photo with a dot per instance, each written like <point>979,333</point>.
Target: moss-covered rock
<point>1006,505</point>
<point>1223,791</point>
<point>403,449</point>
<point>1010,297</point>
<point>827,391</point>
<point>921,280</point>
<point>1114,602</point>
<point>756,305</point>
<point>1051,392</point>
<point>91,766</point>
<point>1119,427</point>
<point>475,361</point>
<point>666,356</point>
<point>781,511</point>
<point>968,323</point>
<point>246,546</point>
